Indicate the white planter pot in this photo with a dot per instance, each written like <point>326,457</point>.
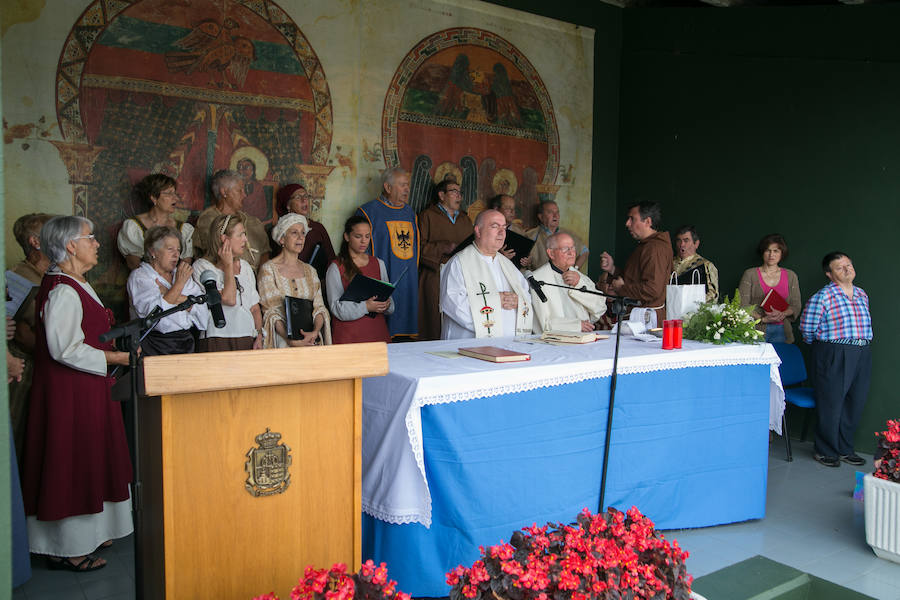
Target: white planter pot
<point>882,500</point>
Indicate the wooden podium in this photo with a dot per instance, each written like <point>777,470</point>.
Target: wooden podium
<point>203,433</point>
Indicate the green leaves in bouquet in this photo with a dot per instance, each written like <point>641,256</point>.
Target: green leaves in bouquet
<point>723,323</point>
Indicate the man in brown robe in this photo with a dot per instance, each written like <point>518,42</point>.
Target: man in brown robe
<point>649,266</point>
<point>442,226</point>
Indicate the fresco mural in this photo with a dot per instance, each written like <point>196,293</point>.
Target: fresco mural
<point>99,93</point>
<point>467,103</point>
<point>187,88</point>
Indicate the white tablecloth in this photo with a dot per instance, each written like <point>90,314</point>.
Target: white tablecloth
<point>395,487</point>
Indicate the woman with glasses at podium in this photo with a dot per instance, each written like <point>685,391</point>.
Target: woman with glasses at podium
<point>76,465</point>
<point>164,280</point>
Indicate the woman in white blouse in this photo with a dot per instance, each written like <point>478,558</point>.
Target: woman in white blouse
<point>163,280</point>
<point>287,275</point>
<point>76,466</point>
<point>237,284</point>
<point>156,191</point>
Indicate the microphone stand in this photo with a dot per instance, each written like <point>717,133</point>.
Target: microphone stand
<point>133,332</point>
<point>619,304</point>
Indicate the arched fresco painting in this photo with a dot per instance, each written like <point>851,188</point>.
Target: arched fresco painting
<point>467,103</point>
<point>187,87</point>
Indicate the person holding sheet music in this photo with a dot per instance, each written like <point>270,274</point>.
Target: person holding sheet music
<point>286,275</point>
<point>757,282</point>
<point>317,249</point>
<point>236,283</point>
<point>442,226</point>
<point>357,321</point>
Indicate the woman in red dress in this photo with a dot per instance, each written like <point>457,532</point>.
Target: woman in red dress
<point>77,468</point>
<point>351,321</point>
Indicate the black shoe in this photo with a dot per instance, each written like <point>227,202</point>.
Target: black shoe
<point>853,459</point>
<point>828,461</point>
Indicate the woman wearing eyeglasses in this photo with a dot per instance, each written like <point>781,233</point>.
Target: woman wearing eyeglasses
<point>158,193</point>
<point>76,465</point>
<point>163,280</point>
<point>236,283</point>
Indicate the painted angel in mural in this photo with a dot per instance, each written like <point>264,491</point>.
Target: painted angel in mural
<point>211,48</point>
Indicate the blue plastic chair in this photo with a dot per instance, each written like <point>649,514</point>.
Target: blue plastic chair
<point>793,372</point>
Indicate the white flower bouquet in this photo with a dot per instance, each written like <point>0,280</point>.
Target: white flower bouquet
<point>723,323</point>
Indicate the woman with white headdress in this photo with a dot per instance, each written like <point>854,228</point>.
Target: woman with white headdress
<point>287,275</point>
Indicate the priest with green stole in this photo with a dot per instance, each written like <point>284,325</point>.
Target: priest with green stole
<point>483,295</point>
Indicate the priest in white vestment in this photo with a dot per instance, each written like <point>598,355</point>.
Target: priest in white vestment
<point>483,295</point>
<point>565,310</point>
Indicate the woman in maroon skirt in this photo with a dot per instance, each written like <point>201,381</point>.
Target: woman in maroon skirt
<point>350,321</point>
<point>77,469</point>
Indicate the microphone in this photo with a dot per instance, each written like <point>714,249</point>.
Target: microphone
<point>312,256</point>
<point>536,286</point>
<point>213,298</point>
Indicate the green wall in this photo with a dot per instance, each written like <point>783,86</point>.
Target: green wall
<point>749,121</point>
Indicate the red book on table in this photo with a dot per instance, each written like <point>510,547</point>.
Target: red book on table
<point>774,301</point>
<point>494,354</point>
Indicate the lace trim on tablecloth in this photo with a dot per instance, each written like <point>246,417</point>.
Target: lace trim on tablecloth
<point>424,517</point>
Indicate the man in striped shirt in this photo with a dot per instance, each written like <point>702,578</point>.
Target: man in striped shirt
<point>836,321</point>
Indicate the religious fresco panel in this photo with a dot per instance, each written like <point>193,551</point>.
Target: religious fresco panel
<point>186,88</point>
<point>465,102</point>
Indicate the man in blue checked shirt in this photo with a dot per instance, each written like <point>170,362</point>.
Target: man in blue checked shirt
<point>836,321</point>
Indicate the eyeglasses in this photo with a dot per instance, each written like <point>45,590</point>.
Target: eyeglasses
<point>453,191</point>
<point>89,236</point>
<point>565,249</point>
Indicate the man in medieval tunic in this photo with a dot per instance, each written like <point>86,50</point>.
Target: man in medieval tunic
<point>395,240</point>
<point>565,310</point>
<point>690,267</point>
<point>442,226</point>
<point>482,294</point>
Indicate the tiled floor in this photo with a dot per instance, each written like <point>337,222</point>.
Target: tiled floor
<point>812,523</point>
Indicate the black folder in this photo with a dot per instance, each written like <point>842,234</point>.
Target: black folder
<point>519,243</point>
<point>298,312</point>
<point>361,288</point>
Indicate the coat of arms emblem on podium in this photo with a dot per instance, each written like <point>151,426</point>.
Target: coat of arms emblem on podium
<point>267,465</point>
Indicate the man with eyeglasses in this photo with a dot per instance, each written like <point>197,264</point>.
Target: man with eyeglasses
<point>482,294</point>
<point>838,325</point>
<point>442,226</point>
<point>565,310</point>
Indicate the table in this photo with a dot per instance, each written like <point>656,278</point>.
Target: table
<point>459,453</point>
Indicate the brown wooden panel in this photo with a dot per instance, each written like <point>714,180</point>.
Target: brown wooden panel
<point>208,371</point>
<point>221,542</point>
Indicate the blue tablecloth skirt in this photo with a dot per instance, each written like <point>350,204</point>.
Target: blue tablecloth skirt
<point>689,448</point>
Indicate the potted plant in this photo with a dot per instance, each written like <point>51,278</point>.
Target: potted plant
<point>608,556</point>
<point>371,583</point>
<point>882,495</point>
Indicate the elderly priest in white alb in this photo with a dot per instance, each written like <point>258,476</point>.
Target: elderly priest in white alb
<point>482,294</point>
<point>565,310</point>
